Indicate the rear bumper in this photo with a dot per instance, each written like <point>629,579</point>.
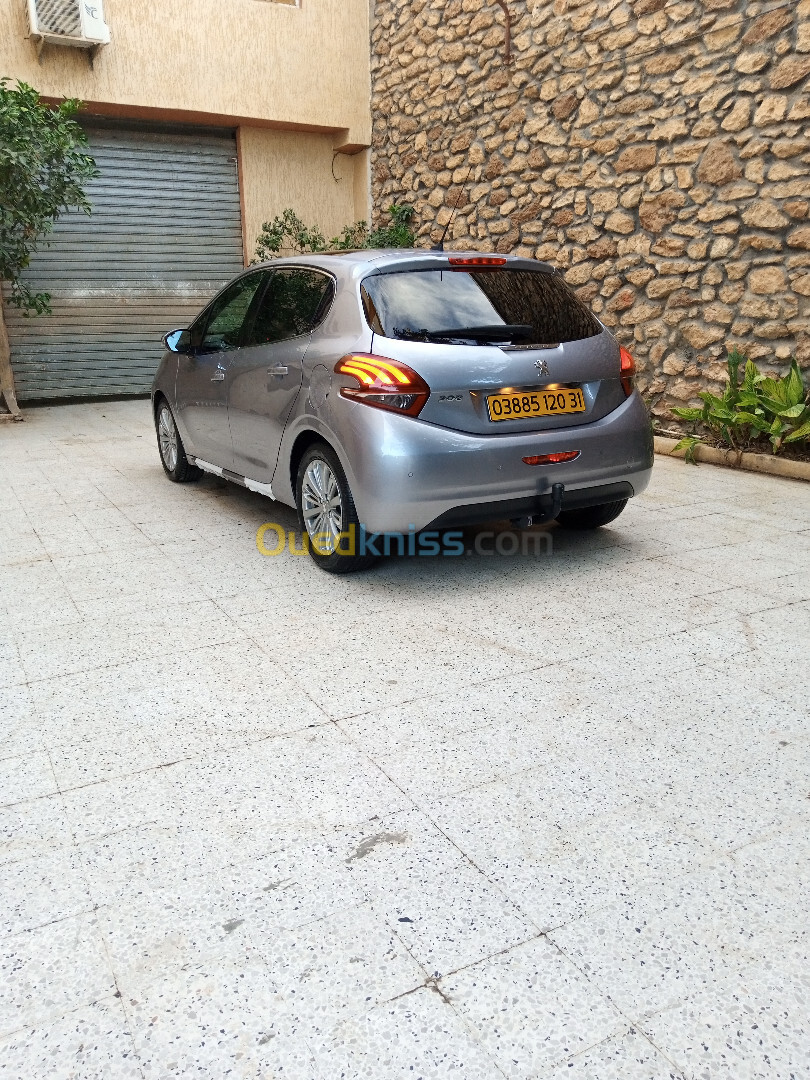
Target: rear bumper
<point>406,474</point>
<point>538,507</point>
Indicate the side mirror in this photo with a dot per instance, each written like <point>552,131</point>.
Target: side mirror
<point>178,341</point>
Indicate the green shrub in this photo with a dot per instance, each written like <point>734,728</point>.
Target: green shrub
<point>759,407</point>
<point>287,232</point>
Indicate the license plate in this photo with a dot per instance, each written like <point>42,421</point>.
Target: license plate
<point>535,403</point>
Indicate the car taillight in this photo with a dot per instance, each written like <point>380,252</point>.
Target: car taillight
<point>628,371</point>
<point>383,383</point>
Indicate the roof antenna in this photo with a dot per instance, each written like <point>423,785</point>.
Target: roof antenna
<point>440,245</point>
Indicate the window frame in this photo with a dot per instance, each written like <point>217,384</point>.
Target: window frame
<point>199,328</point>
<point>271,271</point>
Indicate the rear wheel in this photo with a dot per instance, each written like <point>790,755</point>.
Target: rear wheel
<point>591,517</point>
<point>327,512</point>
<point>172,454</point>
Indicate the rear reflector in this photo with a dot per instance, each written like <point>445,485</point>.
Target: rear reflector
<point>478,260</point>
<point>552,459</point>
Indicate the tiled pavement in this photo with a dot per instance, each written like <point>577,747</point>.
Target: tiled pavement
<point>486,817</point>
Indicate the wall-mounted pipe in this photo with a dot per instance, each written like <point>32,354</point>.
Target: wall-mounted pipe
<point>507,52</point>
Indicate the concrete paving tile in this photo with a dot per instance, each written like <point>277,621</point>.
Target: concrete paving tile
<point>328,777</point>
<point>26,777</point>
<point>371,674</point>
<point>35,827</point>
<point>338,967</point>
<point>19,550</point>
<point>443,907</point>
<point>122,607</point>
<point>757,1028</point>
<point>531,1008</point>
<point>92,1042</point>
<point>732,795</point>
<point>302,879</point>
<point>209,1020</point>
<point>156,931</point>
<point>555,872</point>
<point>428,722</point>
<point>19,732</point>
<point>87,577</point>
<point>469,759</point>
<point>42,889</point>
<point>92,762</point>
<point>229,687</point>
<point>788,588</point>
<point>98,809</point>
<point>416,1035</point>
<point>630,1056</point>
<point>154,856</point>
<point>11,669</point>
<point>87,645</point>
<point>663,944</point>
<point>51,971</point>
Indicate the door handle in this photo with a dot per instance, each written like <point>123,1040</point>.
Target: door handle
<point>278,369</point>
<point>218,376</point>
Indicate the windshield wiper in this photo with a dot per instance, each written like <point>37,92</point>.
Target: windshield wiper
<point>495,332</point>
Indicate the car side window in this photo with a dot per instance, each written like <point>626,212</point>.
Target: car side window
<point>228,315</point>
<point>293,303</point>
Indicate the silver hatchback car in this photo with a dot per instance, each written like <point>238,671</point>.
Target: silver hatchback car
<point>405,392</point>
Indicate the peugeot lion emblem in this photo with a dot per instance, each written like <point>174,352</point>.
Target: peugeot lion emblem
<point>542,367</point>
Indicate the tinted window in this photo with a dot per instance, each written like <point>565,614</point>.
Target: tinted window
<point>228,312</point>
<point>294,302</point>
<point>408,303</point>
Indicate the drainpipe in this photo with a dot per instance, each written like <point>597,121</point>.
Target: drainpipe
<point>507,52</point>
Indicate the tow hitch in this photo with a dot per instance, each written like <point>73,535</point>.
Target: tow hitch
<point>542,514</point>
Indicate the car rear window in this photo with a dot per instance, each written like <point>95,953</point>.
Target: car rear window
<point>413,304</point>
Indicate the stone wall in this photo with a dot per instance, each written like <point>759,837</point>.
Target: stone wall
<point>658,152</point>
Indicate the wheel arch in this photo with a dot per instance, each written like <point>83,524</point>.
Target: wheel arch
<point>157,398</point>
<point>302,443</point>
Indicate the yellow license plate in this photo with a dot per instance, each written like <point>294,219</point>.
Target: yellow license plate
<point>534,403</point>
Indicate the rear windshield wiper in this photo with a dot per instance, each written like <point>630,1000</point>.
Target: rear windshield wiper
<point>495,332</point>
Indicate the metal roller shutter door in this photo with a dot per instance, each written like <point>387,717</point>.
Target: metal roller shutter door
<point>165,233</point>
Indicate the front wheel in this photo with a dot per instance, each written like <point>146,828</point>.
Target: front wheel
<point>172,454</point>
<point>327,513</point>
<point>591,517</point>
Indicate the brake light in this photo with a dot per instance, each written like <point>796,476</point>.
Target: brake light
<point>628,370</point>
<point>463,261</point>
<point>383,383</point>
<point>552,459</point>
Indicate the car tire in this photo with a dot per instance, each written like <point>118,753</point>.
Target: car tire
<point>321,477</point>
<point>170,447</point>
<point>591,517</point>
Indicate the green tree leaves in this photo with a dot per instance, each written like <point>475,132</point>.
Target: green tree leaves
<point>43,169</point>
<point>287,232</point>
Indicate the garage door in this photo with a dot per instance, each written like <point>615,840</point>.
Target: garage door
<point>164,235</point>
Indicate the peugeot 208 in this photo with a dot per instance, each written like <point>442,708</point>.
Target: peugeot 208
<point>400,391</point>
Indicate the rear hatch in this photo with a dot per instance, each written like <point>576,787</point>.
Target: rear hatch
<point>503,349</point>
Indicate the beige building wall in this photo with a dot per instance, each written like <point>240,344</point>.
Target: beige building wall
<point>268,63</point>
<point>293,80</point>
<point>287,168</point>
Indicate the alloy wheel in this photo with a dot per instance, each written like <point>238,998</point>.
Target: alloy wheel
<point>167,437</point>
<point>322,506</point>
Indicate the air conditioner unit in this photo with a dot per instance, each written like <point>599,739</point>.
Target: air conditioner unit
<point>79,23</point>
